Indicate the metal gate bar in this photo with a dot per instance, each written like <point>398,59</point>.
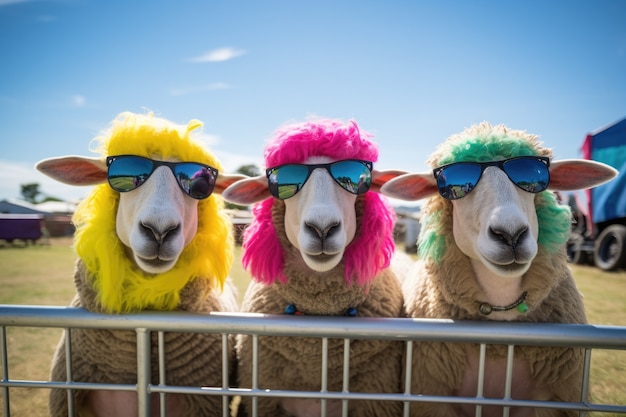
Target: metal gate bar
<point>4,357</point>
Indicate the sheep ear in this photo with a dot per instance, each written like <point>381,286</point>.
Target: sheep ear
<point>579,174</point>
<point>74,170</point>
<point>379,178</point>
<point>410,187</point>
<point>226,180</point>
<point>247,191</point>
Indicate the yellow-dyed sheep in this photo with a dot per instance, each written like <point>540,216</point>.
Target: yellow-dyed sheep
<point>155,237</point>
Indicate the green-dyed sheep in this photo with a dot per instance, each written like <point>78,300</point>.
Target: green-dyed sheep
<point>492,247</point>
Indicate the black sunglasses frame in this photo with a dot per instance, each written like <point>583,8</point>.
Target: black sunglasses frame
<point>311,167</point>
<point>483,165</point>
<point>155,165</point>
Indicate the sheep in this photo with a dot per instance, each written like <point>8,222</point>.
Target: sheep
<point>153,238</point>
<point>492,247</point>
<point>319,244</point>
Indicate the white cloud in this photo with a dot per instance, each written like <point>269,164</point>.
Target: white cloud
<point>218,55</point>
<point>230,161</point>
<point>207,139</point>
<point>79,101</point>
<point>190,90</point>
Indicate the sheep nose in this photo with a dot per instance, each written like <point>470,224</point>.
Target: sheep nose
<point>322,232</point>
<point>159,234</point>
<point>508,238</point>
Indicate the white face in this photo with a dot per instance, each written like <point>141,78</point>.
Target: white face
<point>320,220</point>
<point>157,221</point>
<point>497,225</point>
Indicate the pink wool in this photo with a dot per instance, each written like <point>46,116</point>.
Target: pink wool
<point>372,247</point>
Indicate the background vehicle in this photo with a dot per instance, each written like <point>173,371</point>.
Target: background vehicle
<point>22,227</point>
<point>599,233</point>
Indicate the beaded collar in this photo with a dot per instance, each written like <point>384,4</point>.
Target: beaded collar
<point>291,309</point>
<point>485,308</point>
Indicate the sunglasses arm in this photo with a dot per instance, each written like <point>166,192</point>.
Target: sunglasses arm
<point>74,170</point>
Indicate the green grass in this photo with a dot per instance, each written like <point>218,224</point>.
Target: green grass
<point>43,275</point>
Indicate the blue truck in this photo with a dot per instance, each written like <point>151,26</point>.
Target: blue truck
<point>599,231</point>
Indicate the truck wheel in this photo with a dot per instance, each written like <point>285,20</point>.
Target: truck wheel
<point>576,255</point>
<point>610,248</point>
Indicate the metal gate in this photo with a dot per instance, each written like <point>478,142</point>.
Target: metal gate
<point>587,337</point>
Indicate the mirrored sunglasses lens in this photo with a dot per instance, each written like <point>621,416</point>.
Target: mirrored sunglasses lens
<point>530,174</point>
<point>286,181</point>
<point>128,172</point>
<point>352,176</point>
<point>196,180</point>
<point>456,181</point>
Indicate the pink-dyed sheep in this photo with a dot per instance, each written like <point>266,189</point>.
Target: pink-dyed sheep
<point>322,247</point>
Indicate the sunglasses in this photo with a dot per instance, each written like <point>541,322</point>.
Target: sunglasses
<point>530,173</point>
<point>128,172</point>
<point>353,175</point>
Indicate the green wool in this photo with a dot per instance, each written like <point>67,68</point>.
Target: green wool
<point>487,148</point>
<point>431,243</point>
<point>555,221</point>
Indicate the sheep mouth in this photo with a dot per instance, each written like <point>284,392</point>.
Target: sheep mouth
<point>321,262</point>
<point>154,265</point>
<point>323,257</point>
<point>512,268</point>
<point>321,254</point>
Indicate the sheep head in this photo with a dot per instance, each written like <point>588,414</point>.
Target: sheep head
<point>152,240</point>
<point>496,223</point>
<point>320,218</point>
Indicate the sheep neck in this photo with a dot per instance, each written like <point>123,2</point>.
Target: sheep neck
<point>321,293</point>
<point>503,295</point>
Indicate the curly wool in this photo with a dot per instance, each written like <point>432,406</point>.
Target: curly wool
<point>364,257</point>
<point>121,286</point>
<point>295,143</point>
<point>481,143</point>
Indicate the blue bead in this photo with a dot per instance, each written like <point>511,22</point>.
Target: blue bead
<point>290,309</point>
<point>352,312</point>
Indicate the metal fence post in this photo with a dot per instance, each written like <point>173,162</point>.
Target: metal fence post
<point>143,372</point>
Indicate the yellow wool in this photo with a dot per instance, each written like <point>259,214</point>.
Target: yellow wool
<point>122,287</point>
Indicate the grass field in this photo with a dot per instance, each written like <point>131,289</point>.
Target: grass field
<point>43,275</point>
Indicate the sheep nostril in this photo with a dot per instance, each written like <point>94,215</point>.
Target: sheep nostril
<point>330,230</point>
<point>314,230</point>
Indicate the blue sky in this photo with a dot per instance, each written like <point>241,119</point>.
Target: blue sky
<point>410,72</point>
